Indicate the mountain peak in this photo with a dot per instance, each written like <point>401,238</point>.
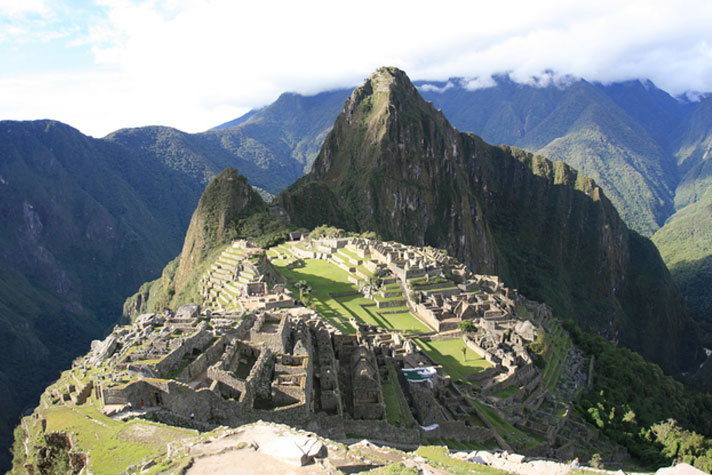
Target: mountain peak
<point>387,85</point>
<point>384,122</point>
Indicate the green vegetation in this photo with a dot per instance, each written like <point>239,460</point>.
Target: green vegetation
<point>229,209</point>
<point>113,445</point>
<point>505,393</point>
<point>517,438</point>
<point>396,403</point>
<point>325,279</point>
<point>467,326</point>
<point>439,458</point>
<point>586,126</point>
<point>394,414</point>
<point>631,413</point>
<point>452,444</point>
<point>393,469</point>
<point>685,244</point>
<point>682,445</point>
<point>448,353</point>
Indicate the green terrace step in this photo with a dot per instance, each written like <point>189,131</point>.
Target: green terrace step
<point>231,289</point>
<point>354,260</point>
<point>224,300</point>
<point>220,271</point>
<point>390,294</point>
<point>228,262</point>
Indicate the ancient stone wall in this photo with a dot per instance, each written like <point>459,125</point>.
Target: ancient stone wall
<point>196,341</point>
<point>278,340</point>
<point>390,303</point>
<point>83,393</point>
<point>381,431</point>
<point>205,360</point>
<point>143,390</point>
<point>489,357</point>
<point>458,430</point>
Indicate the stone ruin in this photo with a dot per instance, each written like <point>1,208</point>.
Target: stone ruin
<point>209,366</point>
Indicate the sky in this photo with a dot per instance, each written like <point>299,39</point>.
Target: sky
<point>193,64</point>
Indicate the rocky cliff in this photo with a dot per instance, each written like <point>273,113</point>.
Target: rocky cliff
<point>393,164</point>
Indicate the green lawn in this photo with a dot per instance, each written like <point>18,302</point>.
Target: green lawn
<point>112,445</point>
<point>388,299</point>
<point>326,278</point>
<point>448,353</point>
<point>505,393</point>
<point>439,457</point>
<point>350,254</point>
<point>394,414</point>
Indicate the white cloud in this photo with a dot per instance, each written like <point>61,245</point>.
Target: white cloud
<point>193,64</point>
<point>22,7</point>
<point>434,88</point>
<point>474,83</point>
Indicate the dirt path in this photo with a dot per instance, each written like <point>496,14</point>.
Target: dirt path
<point>248,461</point>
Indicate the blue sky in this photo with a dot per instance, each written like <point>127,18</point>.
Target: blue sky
<point>192,64</point>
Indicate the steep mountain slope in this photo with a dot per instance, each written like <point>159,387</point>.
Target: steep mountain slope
<point>272,146</point>
<point>685,241</point>
<point>656,110</point>
<point>202,156</point>
<point>228,209</point>
<point>299,123</point>
<point>41,333</point>
<point>394,165</point>
<point>84,223</point>
<point>579,124</point>
<point>693,155</point>
<point>618,134</point>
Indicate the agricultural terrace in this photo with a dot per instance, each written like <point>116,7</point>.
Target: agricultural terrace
<point>514,436</point>
<point>327,279</point>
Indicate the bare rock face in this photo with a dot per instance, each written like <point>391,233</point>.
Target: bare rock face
<point>190,310</point>
<point>149,319</point>
<point>526,330</point>
<point>100,350</point>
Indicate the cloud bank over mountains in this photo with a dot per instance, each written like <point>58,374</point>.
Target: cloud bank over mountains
<point>192,64</point>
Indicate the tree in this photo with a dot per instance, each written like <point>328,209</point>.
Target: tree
<point>303,287</point>
<point>467,326</point>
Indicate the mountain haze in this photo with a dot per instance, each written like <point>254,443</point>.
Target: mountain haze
<point>394,165</point>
